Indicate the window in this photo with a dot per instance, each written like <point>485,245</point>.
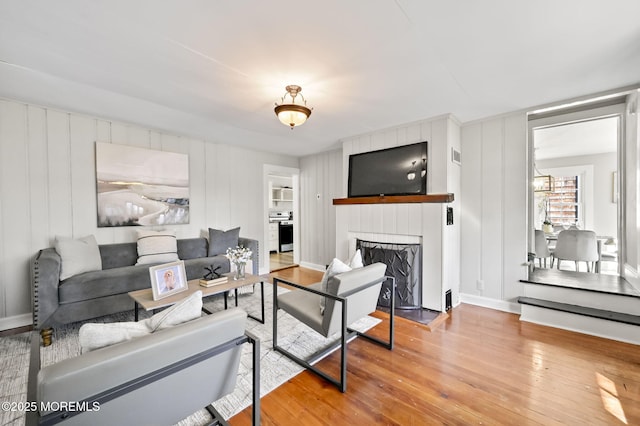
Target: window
<point>564,201</point>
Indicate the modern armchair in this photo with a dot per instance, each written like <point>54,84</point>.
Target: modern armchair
<point>350,296</point>
<point>157,379</point>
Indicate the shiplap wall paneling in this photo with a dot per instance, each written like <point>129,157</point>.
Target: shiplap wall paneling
<point>438,147</point>
<point>471,209</point>
<point>432,257</point>
<point>59,157</point>
<point>103,134</point>
<point>515,205</point>
<point>38,177</point>
<point>47,188</point>
<point>82,136</point>
<point>197,188</point>
<point>218,187</point>
<point>14,183</point>
<point>492,207</point>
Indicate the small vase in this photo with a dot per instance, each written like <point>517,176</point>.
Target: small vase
<point>239,275</point>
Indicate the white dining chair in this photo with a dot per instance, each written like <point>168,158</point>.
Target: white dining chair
<point>542,249</point>
<point>579,246</point>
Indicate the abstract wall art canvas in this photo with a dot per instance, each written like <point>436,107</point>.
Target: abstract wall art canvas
<point>141,187</point>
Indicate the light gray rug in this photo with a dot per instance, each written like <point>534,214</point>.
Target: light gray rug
<point>275,369</point>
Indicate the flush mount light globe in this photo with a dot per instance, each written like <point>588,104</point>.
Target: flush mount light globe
<point>288,111</point>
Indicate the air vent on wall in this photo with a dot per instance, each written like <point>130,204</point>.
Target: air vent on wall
<point>455,156</point>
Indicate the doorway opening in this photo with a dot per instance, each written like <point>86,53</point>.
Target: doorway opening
<point>281,213</point>
<point>575,162</point>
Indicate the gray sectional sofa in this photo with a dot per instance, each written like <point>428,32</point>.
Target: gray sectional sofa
<point>97,293</point>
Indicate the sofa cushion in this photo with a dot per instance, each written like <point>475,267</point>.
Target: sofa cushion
<point>78,255</point>
<point>118,255</point>
<point>157,247</point>
<point>192,248</point>
<point>194,268</point>
<point>108,282</point>
<point>220,241</point>
<point>91,285</point>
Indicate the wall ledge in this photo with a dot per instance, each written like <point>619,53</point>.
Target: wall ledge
<point>396,199</point>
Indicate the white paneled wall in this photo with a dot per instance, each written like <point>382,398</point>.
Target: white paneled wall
<point>320,183</point>
<point>441,248</point>
<point>494,208</point>
<point>48,188</point>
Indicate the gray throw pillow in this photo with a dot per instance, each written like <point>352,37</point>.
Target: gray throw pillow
<point>220,241</point>
<point>78,255</point>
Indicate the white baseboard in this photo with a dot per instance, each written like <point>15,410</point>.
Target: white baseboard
<point>313,266</point>
<point>487,302</point>
<point>16,321</point>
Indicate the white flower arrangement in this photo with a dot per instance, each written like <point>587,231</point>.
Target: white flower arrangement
<point>239,255</point>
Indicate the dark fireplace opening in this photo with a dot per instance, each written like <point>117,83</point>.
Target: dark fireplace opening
<point>404,263</point>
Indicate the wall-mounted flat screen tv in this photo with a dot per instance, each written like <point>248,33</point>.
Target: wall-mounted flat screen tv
<point>391,171</point>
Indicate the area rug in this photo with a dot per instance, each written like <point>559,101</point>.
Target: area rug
<point>275,369</point>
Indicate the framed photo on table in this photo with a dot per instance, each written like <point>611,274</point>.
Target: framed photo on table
<point>168,279</point>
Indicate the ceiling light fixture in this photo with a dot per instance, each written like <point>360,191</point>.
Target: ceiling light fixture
<point>291,113</point>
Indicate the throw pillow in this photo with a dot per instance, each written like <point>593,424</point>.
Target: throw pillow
<point>157,247</point>
<point>220,241</point>
<point>78,255</point>
<point>95,336</point>
<point>335,267</point>
<point>186,310</point>
<point>356,260</point>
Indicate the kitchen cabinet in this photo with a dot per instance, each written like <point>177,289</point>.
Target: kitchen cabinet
<point>273,237</point>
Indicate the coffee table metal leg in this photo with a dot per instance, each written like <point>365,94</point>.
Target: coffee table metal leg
<point>135,310</point>
<point>225,300</point>
<point>260,320</point>
<point>236,294</point>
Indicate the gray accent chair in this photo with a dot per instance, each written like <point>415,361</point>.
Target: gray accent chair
<point>350,296</point>
<point>157,379</point>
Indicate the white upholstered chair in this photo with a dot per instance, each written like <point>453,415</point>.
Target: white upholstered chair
<point>579,246</point>
<point>542,249</point>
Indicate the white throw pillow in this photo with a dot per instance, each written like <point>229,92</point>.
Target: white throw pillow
<point>356,260</point>
<point>94,336</point>
<point>157,247</point>
<point>183,311</point>
<point>78,255</point>
<point>335,267</point>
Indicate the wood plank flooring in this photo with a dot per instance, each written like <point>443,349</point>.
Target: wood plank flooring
<point>480,366</point>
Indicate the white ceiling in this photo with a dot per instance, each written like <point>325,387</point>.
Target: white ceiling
<point>581,138</point>
<point>213,69</point>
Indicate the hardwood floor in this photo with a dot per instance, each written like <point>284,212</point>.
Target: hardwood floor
<point>480,366</point>
<point>278,261</point>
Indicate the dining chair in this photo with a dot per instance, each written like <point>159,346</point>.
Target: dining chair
<point>579,246</point>
<point>542,248</point>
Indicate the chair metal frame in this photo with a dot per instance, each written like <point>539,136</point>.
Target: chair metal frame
<point>33,417</point>
<point>346,333</point>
